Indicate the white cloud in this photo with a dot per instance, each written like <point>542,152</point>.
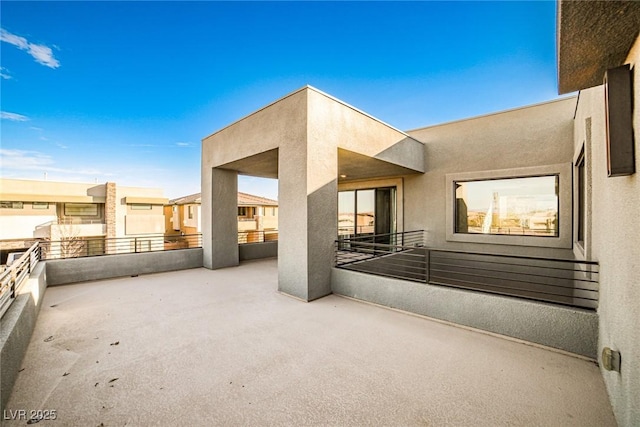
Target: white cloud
<point>41,53</point>
<point>35,161</point>
<point>23,160</point>
<point>184,144</point>
<point>13,116</point>
<point>4,73</point>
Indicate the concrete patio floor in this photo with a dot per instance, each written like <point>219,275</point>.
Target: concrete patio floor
<point>201,347</point>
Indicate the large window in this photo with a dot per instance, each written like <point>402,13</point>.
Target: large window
<point>525,206</point>
<point>522,206</point>
<point>81,209</point>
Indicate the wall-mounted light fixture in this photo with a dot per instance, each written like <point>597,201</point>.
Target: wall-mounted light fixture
<point>618,98</point>
<point>610,359</point>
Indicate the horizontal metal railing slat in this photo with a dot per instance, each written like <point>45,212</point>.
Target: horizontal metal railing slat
<point>576,273</point>
<point>577,302</point>
<point>12,279</point>
<point>513,260</point>
<point>515,286</point>
<point>563,281</point>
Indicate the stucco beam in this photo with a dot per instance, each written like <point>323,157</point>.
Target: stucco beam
<point>354,166</point>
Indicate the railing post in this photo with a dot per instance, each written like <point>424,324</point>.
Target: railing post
<point>135,244</point>
<point>14,277</point>
<point>427,264</point>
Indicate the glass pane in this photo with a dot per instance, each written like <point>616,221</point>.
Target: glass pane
<point>582,206</point>
<point>80,209</point>
<point>513,206</point>
<point>366,200</point>
<point>346,212</point>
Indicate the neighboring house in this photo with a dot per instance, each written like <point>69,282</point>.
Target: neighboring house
<point>182,215</point>
<point>255,214</point>
<point>553,181</point>
<point>64,211</point>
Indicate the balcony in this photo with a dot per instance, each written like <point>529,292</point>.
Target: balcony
<point>222,347</point>
<point>66,228</point>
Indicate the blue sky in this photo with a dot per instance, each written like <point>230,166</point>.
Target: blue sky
<point>125,91</point>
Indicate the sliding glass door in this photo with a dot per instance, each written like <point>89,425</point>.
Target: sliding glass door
<point>367,211</point>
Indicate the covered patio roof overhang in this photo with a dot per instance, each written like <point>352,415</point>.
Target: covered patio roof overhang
<point>310,141</point>
<point>351,166</point>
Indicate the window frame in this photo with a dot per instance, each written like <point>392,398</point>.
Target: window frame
<point>582,158</point>
<point>14,205</point>
<point>581,199</point>
<point>565,220</point>
<point>66,214</point>
<point>40,205</point>
<point>140,206</point>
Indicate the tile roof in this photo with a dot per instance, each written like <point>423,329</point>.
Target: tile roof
<point>192,198</point>
<point>244,199</point>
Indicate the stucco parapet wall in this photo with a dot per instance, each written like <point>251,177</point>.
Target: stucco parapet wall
<point>74,270</point>
<point>16,328</point>
<point>569,100</point>
<point>569,329</point>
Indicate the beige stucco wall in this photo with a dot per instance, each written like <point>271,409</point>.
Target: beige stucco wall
<point>29,222</point>
<point>533,136</point>
<point>21,223</point>
<point>129,222</point>
<point>52,188</point>
<point>615,243</point>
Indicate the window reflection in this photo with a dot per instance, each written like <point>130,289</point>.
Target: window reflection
<point>346,212</point>
<point>513,206</point>
<point>366,219</point>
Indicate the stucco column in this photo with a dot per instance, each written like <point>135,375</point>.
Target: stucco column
<point>307,219</point>
<point>220,210</point>
<point>110,216</point>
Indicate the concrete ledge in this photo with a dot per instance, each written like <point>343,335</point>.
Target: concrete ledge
<point>258,250</point>
<point>16,328</point>
<point>64,271</point>
<point>569,329</point>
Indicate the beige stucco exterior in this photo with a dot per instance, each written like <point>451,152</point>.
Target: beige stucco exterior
<point>51,223</point>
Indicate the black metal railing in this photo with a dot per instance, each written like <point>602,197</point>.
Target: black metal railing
<point>399,255</point>
<point>15,275</point>
<point>99,246</point>
<point>257,236</point>
<point>563,281</point>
